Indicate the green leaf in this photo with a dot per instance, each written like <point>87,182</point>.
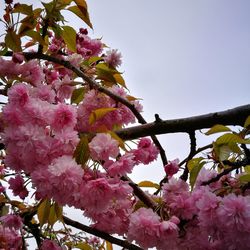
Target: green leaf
<point>77,95</point>
<point>82,13</point>
<point>148,184</point>
<point>23,9</point>
<point>49,6</point>
<point>247,122</point>
<point>82,153</point>
<point>230,138</point>
<point>59,211</point>
<point>132,98</point>
<point>194,167</point>
<point>81,10</point>
<point>52,219</point>
<point>13,41</point>
<point>94,59</point>
<point>119,79</point>
<point>105,73</point>
<point>83,246</point>
<point>247,169</point>
<point>69,37</point>
<point>116,137</point>
<point>244,178</point>
<point>217,129</point>
<point>3,51</point>
<point>109,245</point>
<point>35,36</point>
<point>43,212</point>
<point>98,114</point>
<point>55,214</point>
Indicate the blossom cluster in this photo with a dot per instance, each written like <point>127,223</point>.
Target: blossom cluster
<point>42,133</point>
<point>198,219</point>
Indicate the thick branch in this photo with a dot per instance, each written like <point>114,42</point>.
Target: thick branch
<point>235,116</point>
<point>123,243</point>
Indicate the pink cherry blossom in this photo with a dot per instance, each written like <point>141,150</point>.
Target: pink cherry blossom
<point>63,116</point>
<point>32,72</point>
<point>19,94</point>
<point>17,186</point>
<point>144,228</point>
<point>146,152</point>
<point>122,166</point>
<point>103,146</point>
<point>9,68</point>
<point>119,215</point>
<point>17,57</point>
<point>65,177</point>
<point>10,239</point>
<point>234,213</point>
<point>49,245</point>
<point>113,58</point>
<point>172,167</point>
<point>12,221</point>
<point>88,47</point>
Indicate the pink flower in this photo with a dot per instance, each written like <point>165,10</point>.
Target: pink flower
<point>205,175</point>
<point>64,116</point>
<point>32,72</point>
<point>234,213</point>
<point>10,239</point>
<point>17,57</point>
<point>174,187</point>
<point>65,178</point>
<point>12,115</point>
<point>12,221</point>
<point>63,88</point>
<point>113,58</point>
<point>17,186</point>
<point>122,166</point>
<point>88,47</point>
<point>172,168</point>
<point>144,228</point>
<point>18,94</point>
<point>49,245</point>
<point>169,234</point>
<point>45,93</point>
<point>118,214</point>
<point>9,68</point>
<point>97,195</point>
<point>103,146</point>
<point>207,211</point>
<point>146,152</point>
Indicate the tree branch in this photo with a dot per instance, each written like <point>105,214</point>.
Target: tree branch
<point>123,243</point>
<point>146,199</point>
<point>233,166</point>
<point>235,116</point>
<point>184,176</point>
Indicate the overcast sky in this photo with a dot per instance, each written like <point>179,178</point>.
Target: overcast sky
<point>182,57</point>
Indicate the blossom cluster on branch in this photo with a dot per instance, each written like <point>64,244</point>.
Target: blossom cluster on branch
<point>61,131</point>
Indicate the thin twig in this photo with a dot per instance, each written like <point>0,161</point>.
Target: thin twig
<point>184,176</point>
<point>123,243</point>
<point>233,166</point>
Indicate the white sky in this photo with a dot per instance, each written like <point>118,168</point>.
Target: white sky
<point>183,57</point>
